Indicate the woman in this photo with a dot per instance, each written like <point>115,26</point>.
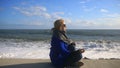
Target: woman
<point>62,52</point>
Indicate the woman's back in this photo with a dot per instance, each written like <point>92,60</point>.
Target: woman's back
<point>58,51</point>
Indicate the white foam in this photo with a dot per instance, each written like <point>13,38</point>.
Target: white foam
<point>95,50</point>
<point>40,49</point>
<point>24,49</point>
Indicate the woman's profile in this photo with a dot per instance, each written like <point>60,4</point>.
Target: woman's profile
<point>62,51</point>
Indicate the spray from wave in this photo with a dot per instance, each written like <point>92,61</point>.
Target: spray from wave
<point>18,48</point>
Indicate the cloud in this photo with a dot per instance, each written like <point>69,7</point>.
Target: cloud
<point>84,1</point>
<point>113,15</point>
<point>56,15</point>
<point>85,8</point>
<point>68,21</point>
<point>100,23</point>
<point>112,23</point>
<point>85,23</point>
<point>33,11</point>
<point>39,11</point>
<point>104,10</point>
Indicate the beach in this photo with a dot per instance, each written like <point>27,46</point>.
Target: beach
<point>30,48</point>
<point>45,63</point>
<point>35,44</point>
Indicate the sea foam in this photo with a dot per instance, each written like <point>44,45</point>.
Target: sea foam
<point>14,48</point>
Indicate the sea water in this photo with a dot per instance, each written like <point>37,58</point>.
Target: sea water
<point>35,43</point>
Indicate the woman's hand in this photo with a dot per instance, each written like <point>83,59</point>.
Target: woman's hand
<point>73,43</point>
<point>81,50</point>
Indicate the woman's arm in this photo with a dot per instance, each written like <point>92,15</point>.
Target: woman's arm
<point>63,48</point>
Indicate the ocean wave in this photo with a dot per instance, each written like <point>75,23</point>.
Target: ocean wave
<point>19,48</point>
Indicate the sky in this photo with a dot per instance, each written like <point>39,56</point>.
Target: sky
<point>78,14</point>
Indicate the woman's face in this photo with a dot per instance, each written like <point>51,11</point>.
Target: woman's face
<point>63,27</point>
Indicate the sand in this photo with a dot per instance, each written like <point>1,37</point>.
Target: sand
<point>45,63</point>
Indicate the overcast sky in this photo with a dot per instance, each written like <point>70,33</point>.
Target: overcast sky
<point>78,14</point>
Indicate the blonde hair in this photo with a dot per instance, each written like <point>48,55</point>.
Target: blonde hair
<point>58,23</point>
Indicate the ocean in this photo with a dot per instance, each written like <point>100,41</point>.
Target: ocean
<point>35,43</point>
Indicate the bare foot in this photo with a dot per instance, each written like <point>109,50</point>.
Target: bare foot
<point>80,64</point>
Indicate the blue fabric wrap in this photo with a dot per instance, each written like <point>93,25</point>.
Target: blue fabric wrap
<point>58,52</point>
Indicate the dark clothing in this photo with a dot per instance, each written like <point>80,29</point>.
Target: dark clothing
<point>72,58</point>
<point>60,52</point>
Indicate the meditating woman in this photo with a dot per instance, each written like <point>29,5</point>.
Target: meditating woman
<point>62,51</point>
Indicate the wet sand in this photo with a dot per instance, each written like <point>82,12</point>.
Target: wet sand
<point>45,63</point>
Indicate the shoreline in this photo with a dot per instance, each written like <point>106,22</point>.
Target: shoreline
<point>46,63</point>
